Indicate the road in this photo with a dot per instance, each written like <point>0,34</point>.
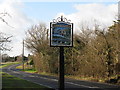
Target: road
<point>52,82</point>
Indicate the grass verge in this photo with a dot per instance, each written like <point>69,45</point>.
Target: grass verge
<point>12,82</point>
<point>29,70</point>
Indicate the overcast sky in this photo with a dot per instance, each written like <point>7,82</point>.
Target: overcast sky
<point>24,14</point>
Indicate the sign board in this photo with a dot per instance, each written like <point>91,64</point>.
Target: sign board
<point>61,34</point>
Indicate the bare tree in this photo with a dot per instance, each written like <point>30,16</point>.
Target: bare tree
<point>36,36</point>
<point>3,41</point>
<point>2,15</point>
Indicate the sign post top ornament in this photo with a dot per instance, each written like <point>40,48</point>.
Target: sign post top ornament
<point>61,33</point>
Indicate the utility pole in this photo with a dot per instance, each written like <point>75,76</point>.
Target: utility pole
<point>118,31</point>
<point>0,56</point>
<point>0,53</point>
<point>23,55</point>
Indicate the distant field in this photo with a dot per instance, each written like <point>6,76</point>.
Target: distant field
<point>7,64</point>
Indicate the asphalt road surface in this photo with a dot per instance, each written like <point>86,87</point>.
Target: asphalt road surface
<point>52,82</point>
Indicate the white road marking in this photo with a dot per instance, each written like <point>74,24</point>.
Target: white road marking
<point>9,68</point>
<point>68,82</point>
<point>81,85</point>
<point>50,79</point>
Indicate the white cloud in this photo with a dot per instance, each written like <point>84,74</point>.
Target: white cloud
<point>90,14</point>
<point>86,13</point>
<point>18,20</point>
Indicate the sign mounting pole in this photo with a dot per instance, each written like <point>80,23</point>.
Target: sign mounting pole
<point>61,66</point>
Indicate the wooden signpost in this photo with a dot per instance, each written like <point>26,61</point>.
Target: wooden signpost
<point>61,35</point>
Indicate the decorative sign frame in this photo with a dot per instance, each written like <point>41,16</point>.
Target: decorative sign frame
<point>61,33</point>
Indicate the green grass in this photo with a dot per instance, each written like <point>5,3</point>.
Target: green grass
<point>9,81</point>
<point>26,68</point>
<point>29,70</point>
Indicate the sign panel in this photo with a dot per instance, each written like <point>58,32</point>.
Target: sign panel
<point>61,34</point>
